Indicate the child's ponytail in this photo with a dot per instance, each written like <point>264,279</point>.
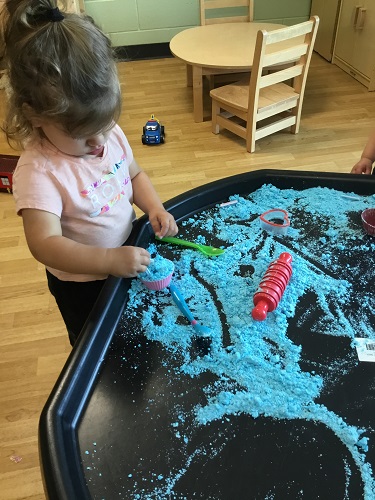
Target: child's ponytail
<point>61,66</point>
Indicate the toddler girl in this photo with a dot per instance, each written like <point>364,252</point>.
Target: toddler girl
<point>76,179</point>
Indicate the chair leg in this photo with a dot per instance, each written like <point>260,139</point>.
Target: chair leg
<point>250,134</point>
<point>250,145</point>
<point>215,113</point>
<point>297,113</point>
<point>211,82</point>
<point>189,75</point>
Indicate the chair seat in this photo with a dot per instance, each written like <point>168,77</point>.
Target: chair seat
<point>237,95</point>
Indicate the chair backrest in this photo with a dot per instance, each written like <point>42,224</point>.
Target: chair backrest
<point>288,51</point>
<point>226,11</point>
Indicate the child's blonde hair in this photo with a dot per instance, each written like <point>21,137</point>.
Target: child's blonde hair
<point>61,66</point>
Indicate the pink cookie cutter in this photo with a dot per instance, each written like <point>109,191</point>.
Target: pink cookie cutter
<point>267,221</point>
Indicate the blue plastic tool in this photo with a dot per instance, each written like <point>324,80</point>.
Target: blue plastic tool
<point>179,300</point>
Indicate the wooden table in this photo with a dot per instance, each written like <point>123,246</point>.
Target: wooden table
<point>215,49</point>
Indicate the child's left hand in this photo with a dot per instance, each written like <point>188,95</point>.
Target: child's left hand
<point>163,223</point>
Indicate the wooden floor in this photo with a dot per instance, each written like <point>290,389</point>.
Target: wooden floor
<point>337,118</point>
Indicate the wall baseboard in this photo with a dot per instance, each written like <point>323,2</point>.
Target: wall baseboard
<point>146,51</point>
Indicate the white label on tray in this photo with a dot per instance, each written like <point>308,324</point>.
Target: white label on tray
<point>365,349</point>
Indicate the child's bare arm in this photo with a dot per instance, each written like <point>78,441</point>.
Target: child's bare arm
<point>146,198</point>
<point>48,246</point>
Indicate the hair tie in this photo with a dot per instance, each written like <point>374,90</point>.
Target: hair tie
<point>55,15</point>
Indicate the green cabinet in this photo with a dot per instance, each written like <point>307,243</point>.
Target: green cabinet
<point>136,22</point>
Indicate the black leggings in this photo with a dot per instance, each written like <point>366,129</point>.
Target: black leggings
<point>75,300</point>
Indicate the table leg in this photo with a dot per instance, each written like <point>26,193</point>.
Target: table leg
<point>198,93</point>
<point>189,75</point>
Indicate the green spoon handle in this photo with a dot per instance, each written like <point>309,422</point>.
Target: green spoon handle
<point>178,241</point>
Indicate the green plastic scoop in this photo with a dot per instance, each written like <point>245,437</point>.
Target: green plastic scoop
<point>207,250</point>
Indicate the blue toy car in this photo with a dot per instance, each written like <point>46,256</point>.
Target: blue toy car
<point>153,132</point>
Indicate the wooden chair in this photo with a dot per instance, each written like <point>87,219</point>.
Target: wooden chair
<point>275,97</point>
<point>225,11</point>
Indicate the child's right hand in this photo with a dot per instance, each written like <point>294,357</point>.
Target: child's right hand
<point>364,166</point>
<point>44,237</point>
<point>127,262</point>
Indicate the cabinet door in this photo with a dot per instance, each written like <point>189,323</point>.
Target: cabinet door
<point>328,14</point>
<point>345,38</point>
<point>366,39</point>
<point>355,41</point>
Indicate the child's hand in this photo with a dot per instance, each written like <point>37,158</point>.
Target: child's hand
<point>127,262</point>
<point>163,223</point>
<point>364,166</point>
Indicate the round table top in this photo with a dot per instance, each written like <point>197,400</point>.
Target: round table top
<point>226,45</point>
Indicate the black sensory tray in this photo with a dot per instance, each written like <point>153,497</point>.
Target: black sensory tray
<point>110,428</point>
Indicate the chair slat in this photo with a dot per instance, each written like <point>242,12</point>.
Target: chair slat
<point>223,4</point>
<point>269,110</point>
<point>222,20</point>
<point>283,55</point>
<point>275,127</point>
<point>288,33</point>
<point>234,127</point>
<point>280,76</point>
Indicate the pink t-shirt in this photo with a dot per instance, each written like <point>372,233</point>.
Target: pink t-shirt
<point>92,197</point>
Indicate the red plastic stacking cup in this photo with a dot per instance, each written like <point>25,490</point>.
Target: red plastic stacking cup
<point>368,221</point>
